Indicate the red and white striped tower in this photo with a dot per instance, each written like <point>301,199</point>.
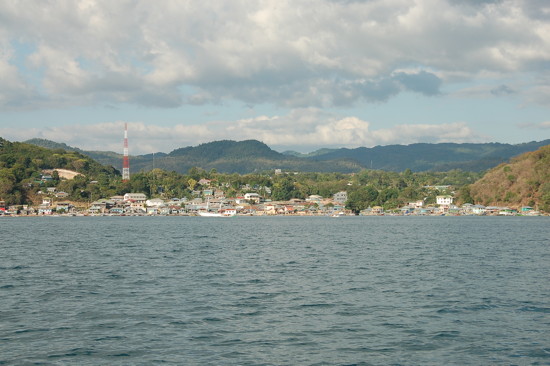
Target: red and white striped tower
<point>125,160</point>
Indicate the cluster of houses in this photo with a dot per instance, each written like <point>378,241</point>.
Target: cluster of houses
<point>444,206</point>
<point>210,200</point>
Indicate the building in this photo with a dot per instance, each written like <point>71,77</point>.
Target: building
<point>314,198</point>
<point>416,204</point>
<point>340,197</point>
<point>444,200</point>
<point>136,197</point>
<point>254,197</point>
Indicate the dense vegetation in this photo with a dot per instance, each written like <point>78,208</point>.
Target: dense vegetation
<point>525,180</point>
<point>226,156</point>
<point>365,188</point>
<point>424,157</point>
<point>21,167</point>
<point>251,156</point>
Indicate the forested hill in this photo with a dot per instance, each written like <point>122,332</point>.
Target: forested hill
<point>245,157</point>
<point>251,155</point>
<point>22,165</point>
<point>424,157</point>
<point>225,156</point>
<point>525,180</point>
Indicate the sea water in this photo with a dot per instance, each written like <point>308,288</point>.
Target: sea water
<point>275,291</point>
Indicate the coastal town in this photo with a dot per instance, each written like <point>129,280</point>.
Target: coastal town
<point>212,201</point>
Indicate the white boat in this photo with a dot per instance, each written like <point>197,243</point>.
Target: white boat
<point>227,212</point>
<point>209,214</point>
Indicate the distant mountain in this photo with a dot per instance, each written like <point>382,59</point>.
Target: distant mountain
<point>248,156</point>
<point>245,157</point>
<point>225,156</point>
<point>525,180</point>
<point>435,157</point>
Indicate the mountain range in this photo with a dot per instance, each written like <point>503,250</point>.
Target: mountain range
<point>254,156</point>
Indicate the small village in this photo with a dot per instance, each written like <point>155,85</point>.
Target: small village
<point>210,199</point>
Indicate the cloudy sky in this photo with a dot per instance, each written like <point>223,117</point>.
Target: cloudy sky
<point>295,74</point>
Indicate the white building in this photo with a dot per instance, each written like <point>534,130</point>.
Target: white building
<point>444,200</point>
<point>136,197</point>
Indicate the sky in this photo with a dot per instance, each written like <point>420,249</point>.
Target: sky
<point>296,74</point>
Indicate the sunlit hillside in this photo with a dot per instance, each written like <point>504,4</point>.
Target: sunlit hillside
<point>525,180</point>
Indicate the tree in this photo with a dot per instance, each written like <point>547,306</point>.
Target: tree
<point>361,198</point>
<point>283,190</point>
<point>191,183</point>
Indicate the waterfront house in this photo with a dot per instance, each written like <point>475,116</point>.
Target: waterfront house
<point>63,206</point>
<point>492,210</point>
<point>153,210</point>
<point>478,210</point>
<point>116,210</point>
<point>44,209</point>
<point>270,209</point>
<point>99,207</point>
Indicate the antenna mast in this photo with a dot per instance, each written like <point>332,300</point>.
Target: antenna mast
<point>125,159</point>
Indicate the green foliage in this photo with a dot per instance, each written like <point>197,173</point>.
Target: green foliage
<point>284,190</point>
<point>362,198</point>
<point>21,167</point>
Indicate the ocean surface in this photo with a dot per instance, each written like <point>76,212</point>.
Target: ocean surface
<point>275,291</point>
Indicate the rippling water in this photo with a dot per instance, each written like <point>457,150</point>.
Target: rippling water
<point>275,291</point>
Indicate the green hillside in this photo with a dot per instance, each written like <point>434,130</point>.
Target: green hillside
<point>21,167</point>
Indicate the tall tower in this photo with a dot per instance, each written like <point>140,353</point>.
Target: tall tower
<point>125,160</point>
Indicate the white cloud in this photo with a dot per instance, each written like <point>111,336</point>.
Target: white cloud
<point>291,53</point>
